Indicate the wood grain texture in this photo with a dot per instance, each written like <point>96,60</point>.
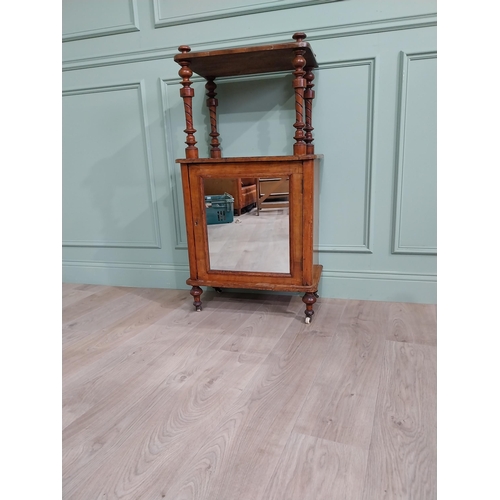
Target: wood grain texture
<point>237,459</point>
<point>316,468</point>
<point>93,301</point>
<point>160,424</point>
<point>105,374</point>
<point>101,317</point>
<point>262,331</point>
<point>94,344</point>
<point>66,287</point>
<point>341,403</point>
<point>244,400</point>
<point>402,458</point>
<point>71,295</point>
<point>246,60</point>
<point>398,321</point>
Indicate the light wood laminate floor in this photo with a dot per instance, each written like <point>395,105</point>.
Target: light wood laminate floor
<point>244,401</point>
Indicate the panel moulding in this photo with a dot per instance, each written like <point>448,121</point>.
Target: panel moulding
<point>108,30</point>
<point>365,247</point>
<point>126,265</point>
<point>148,163</point>
<point>381,275</point>
<point>397,248</point>
<point>363,285</point>
<point>181,244</point>
<point>328,273</point>
<point>208,15</point>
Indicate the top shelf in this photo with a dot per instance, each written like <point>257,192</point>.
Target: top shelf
<point>246,60</point>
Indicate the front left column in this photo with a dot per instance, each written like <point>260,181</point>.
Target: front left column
<point>187,94</point>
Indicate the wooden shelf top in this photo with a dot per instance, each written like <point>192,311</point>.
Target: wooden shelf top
<point>246,60</point>
<point>244,159</point>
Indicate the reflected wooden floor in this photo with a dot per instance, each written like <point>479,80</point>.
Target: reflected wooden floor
<point>244,400</point>
<point>251,242</point>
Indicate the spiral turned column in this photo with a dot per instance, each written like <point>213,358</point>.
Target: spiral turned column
<point>309,95</point>
<point>212,104</point>
<point>299,84</point>
<point>187,94</point>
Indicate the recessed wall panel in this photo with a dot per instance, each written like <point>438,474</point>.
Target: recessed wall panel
<point>416,183</point>
<point>256,116</point>
<point>343,131</point>
<point>89,18</point>
<point>169,13</point>
<point>107,190</point>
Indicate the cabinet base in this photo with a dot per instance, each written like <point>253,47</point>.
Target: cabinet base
<point>309,298</point>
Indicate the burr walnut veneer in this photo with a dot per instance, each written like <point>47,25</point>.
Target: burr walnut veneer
<point>299,169</point>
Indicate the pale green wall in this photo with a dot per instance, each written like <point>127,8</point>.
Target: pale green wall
<point>374,119</point>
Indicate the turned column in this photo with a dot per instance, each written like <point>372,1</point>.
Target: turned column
<point>212,104</point>
<point>309,96</point>
<point>299,84</point>
<point>187,94</point>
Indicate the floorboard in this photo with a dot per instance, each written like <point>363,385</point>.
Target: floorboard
<point>244,400</point>
<point>402,457</point>
<point>312,467</point>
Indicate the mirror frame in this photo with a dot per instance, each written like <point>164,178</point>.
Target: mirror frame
<point>252,237</point>
<point>197,174</point>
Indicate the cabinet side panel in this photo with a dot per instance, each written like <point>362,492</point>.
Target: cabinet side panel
<point>307,220</point>
<point>193,268</point>
<point>296,227</point>
<point>316,215</point>
<point>199,217</point>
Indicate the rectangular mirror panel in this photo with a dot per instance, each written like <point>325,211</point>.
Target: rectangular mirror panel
<point>248,224</point>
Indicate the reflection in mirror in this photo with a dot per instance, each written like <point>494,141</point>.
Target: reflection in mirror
<point>248,224</point>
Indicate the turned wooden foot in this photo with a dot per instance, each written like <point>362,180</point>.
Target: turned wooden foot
<point>196,292</point>
<point>309,299</point>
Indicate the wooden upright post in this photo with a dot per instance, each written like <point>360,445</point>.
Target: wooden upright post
<point>309,96</point>
<point>212,104</point>
<point>299,84</point>
<point>187,94</point>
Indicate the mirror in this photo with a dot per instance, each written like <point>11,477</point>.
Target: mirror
<point>248,224</point>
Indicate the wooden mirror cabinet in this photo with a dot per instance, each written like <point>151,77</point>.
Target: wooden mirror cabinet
<point>252,222</point>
